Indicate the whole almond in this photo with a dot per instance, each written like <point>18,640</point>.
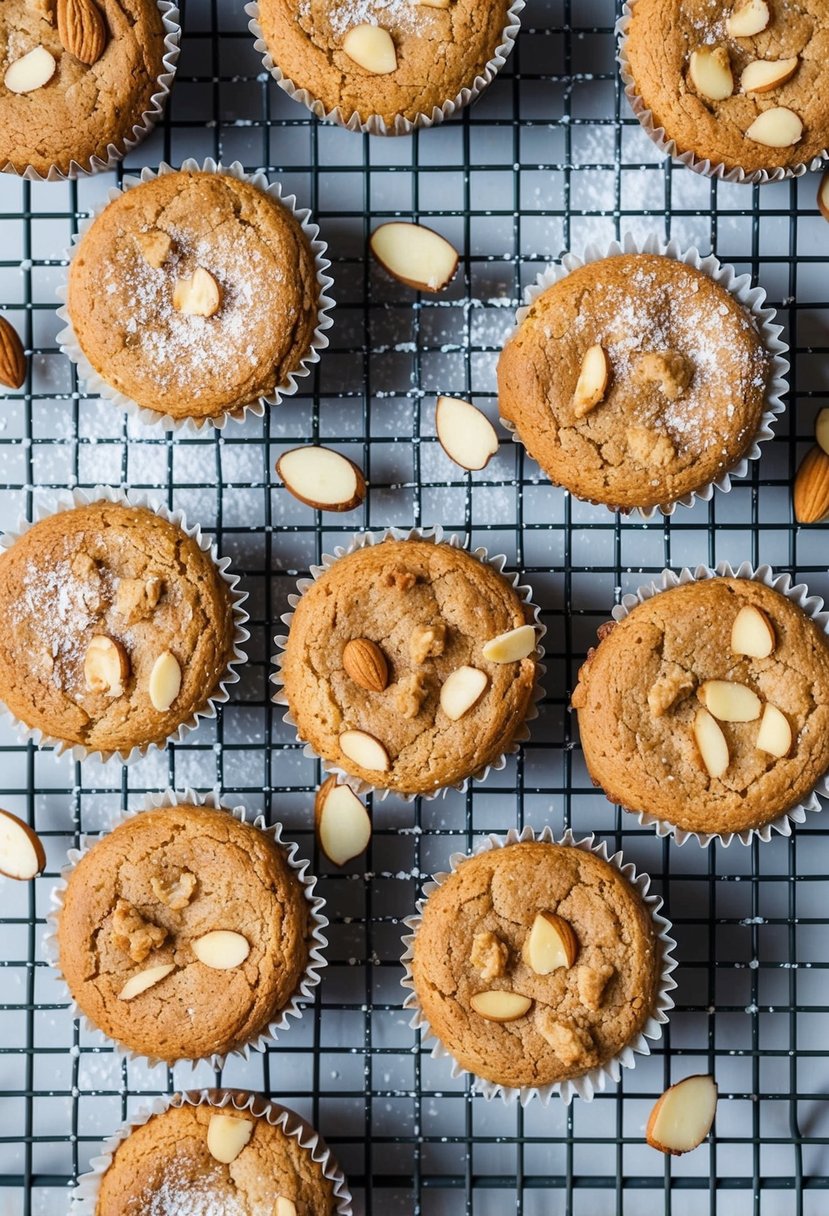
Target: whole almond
<point>365,662</point>
<point>12,359</point>
<point>82,29</point>
<point>811,487</point>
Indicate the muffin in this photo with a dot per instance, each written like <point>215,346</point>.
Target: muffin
<point>385,670</point>
<point>183,933</point>
<point>102,90</point>
<point>193,294</point>
<point>205,1159</point>
<point>741,85</point>
<point>535,963</point>
<point>634,380</point>
<point>707,707</point>
<point>119,627</point>
<point>385,65</point>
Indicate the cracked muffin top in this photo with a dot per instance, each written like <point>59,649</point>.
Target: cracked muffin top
<point>673,399</point>
<point>194,294</point>
<point>435,51</point>
<point>545,1016</point>
<point>183,932</point>
<point>118,627</point>
<point>371,649</point>
<point>166,1168</point>
<point>708,706</point>
<point>695,67</point>
<point>82,107</point>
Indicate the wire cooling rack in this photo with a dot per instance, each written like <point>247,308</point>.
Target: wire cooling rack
<point>548,160</point>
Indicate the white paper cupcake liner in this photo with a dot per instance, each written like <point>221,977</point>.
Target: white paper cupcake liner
<point>739,286</point>
<point>374,124</point>
<point>141,129</point>
<point>812,606</point>
<point>668,146</point>
<point>435,536</point>
<point>85,1195</point>
<point>79,498</point>
<point>596,1079</point>
<point>93,382</point>
<point>318,942</point>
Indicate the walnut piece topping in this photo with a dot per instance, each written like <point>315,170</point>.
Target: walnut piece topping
<point>427,642</point>
<point>176,894</point>
<point>410,693</point>
<point>155,247</point>
<point>401,578</point>
<point>85,569</point>
<point>489,955</point>
<point>134,935</point>
<point>592,982</point>
<point>674,684</point>
<point>135,598</point>
<point>572,1044</point>
<point>649,447</point>
<point>669,369</point>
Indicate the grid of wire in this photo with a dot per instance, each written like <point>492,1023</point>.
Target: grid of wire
<point>549,159</point>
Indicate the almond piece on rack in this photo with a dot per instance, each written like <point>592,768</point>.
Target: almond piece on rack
<point>364,750</point>
<point>711,742</point>
<point>729,701</point>
<point>105,666</point>
<point>82,29</point>
<point>498,1006</point>
<point>22,855</point>
<point>414,255</point>
<point>775,733</point>
<point>227,1135</point>
<point>710,70</point>
<point>823,195</point>
<point>763,75</point>
<point>342,822</point>
<point>365,663</point>
<point>551,943</point>
<point>747,18</point>
<point>165,681</point>
<point>221,949</point>
<point>811,487</point>
<point>144,980</point>
<point>592,382</point>
<point>778,127</point>
<point>752,633</point>
<point>322,479</point>
<point>285,1207</point>
<point>30,72</point>
<point>822,429</point>
<point>462,689</point>
<point>155,247</point>
<point>12,358</point>
<point>511,646</point>
<point>200,296</point>
<point>371,47</point>
<point>465,434</point>
<point>683,1116</point>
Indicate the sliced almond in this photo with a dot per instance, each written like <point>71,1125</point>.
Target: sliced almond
<point>729,701</point>
<point>105,666</point>
<point>462,689</point>
<point>592,382</point>
<point>221,949</point>
<point>747,18</point>
<point>322,479</point>
<point>551,943</point>
<point>143,980</point>
<point>822,429</point>
<point>752,633</point>
<point>414,255</point>
<point>811,487</point>
<point>22,855</point>
<point>432,3</point>
<point>778,127</point>
<point>823,195</point>
<point>371,47</point>
<point>284,1207</point>
<point>365,663</point>
<point>710,740</point>
<point>30,72</point>
<point>165,681</point>
<point>466,435</point>
<point>763,75</point>
<point>200,296</point>
<point>497,1006</point>
<point>775,733</point>
<point>683,1116</point>
<point>364,750</point>
<point>227,1135</point>
<point>710,71</point>
<point>155,246</point>
<point>511,646</point>
<point>342,822</point>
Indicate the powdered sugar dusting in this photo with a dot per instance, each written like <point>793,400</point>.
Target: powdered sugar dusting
<point>188,1191</point>
<point>397,16</point>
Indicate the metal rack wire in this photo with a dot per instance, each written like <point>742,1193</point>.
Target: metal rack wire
<point>548,159</point>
